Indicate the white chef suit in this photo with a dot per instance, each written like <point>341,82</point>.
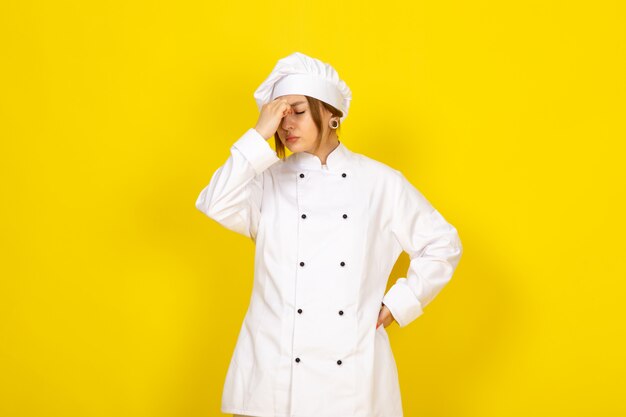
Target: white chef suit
<point>326,239</point>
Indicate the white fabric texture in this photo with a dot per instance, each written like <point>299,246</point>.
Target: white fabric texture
<point>326,240</point>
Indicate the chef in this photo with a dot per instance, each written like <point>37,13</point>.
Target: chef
<point>328,226</point>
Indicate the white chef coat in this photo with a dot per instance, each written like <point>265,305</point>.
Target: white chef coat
<point>326,239</point>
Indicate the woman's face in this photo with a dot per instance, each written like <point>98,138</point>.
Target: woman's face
<point>299,123</point>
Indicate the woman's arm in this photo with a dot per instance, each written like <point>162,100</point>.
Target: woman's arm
<point>233,196</point>
<point>432,244</point>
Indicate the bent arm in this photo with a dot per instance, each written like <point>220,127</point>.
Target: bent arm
<point>434,248</point>
<point>233,196</point>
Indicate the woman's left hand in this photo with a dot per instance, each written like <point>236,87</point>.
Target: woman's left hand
<point>384,317</point>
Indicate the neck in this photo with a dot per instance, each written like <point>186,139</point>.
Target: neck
<point>325,148</point>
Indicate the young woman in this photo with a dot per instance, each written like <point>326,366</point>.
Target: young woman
<point>328,225</point>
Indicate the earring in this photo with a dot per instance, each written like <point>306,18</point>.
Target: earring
<point>334,123</point>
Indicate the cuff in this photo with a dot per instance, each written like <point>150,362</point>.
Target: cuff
<point>402,303</point>
<point>256,150</point>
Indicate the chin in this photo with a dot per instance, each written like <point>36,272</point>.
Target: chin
<point>291,146</point>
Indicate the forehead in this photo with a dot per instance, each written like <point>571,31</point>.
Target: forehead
<point>293,99</point>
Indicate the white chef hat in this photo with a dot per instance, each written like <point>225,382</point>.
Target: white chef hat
<point>301,74</point>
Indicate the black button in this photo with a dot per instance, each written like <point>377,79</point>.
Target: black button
<point>304,216</point>
<point>299,311</point>
<point>345,216</point>
<point>343,175</point>
<point>297,359</point>
<point>301,263</point>
<point>342,263</point>
<point>339,362</point>
<point>341,312</point>
<point>302,175</point>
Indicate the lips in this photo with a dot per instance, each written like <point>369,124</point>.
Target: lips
<point>292,137</point>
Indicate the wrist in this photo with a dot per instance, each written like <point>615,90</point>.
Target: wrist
<point>260,132</point>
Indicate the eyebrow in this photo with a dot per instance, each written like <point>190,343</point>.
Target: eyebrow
<point>296,103</point>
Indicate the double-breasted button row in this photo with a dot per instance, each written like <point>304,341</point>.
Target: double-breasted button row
<point>345,216</point>
<point>343,174</point>
<point>340,312</point>
<point>342,263</point>
<point>339,362</point>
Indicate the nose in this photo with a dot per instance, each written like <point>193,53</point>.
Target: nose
<point>287,121</point>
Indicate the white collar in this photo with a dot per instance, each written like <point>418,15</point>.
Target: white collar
<point>337,159</point>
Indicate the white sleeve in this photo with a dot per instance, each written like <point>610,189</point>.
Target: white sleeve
<point>233,196</point>
<point>433,246</point>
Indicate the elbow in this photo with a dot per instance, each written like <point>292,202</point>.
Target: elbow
<point>214,208</point>
<point>456,249</point>
<point>205,204</point>
<point>459,244</point>
<point>449,249</point>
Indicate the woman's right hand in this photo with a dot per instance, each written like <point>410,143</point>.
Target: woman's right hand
<point>271,115</point>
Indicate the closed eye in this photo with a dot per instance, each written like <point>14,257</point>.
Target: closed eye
<point>300,112</point>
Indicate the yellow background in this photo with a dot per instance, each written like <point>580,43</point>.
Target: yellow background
<point>119,298</point>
